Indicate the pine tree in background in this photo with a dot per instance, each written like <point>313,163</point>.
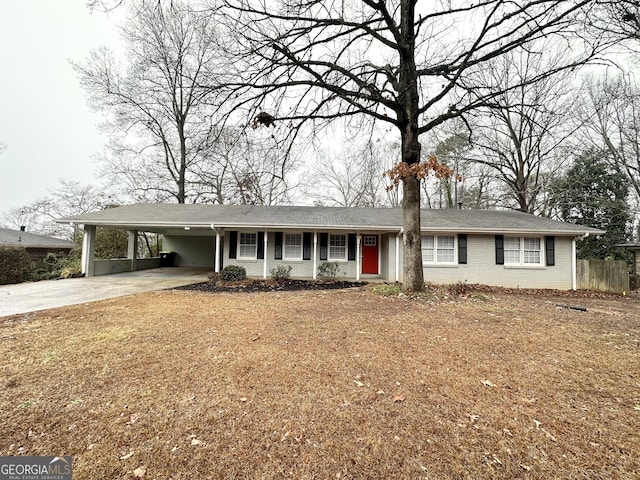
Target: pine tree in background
<point>594,193</point>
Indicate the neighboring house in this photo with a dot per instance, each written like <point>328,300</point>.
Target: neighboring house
<point>502,248</point>
<point>37,246</point>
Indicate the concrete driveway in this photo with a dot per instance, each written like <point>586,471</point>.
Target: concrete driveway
<point>29,297</point>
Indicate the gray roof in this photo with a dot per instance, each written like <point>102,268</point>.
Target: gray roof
<point>165,217</point>
<point>16,238</point>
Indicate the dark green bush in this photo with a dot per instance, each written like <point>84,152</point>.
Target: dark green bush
<point>232,273</point>
<point>281,272</point>
<point>15,265</point>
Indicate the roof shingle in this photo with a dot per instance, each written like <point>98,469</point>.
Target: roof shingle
<point>158,217</point>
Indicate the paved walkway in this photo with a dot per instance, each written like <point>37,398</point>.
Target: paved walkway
<point>29,297</point>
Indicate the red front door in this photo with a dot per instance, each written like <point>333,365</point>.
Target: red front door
<point>370,254</point>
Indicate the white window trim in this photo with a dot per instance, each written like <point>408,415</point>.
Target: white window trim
<point>521,263</point>
<point>346,248</point>
<point>239,256</point>
<point>435,261</point>
<point>284,247</point>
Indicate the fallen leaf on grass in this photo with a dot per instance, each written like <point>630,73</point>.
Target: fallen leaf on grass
<point>128,455</point>
<point>195,441</point>
<point>358,383</point>
<point>487,383</point>
<point>398,398</point>
<point>549,436</point>
<point>244,399</point>
<point>637,407</point>
<point>140,472</point>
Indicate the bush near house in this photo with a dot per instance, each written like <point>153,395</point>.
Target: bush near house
<point>328,270</point>
<point>281,272</point>
<point>232,273</point>
<point>15,265</point>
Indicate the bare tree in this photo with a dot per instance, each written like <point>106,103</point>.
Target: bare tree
<point>70,198</point>
<point>352,176</point>
<point>611,120</point>
<point>520,137</point>
<point>618,19</point>
<point>156,107</point>
<point>410,67</point>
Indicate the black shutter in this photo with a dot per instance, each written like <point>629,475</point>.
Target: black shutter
<point>277,246</point>
<point>306,246</point>
<point>261,245</point>
<point>351,250</point>
<point>324,243</point>
<point>499,250</point>
<point>233,244</point>
<point>462,249</point>
<point>550,250</point>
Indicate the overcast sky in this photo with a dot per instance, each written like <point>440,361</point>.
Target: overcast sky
<point>49,131</point>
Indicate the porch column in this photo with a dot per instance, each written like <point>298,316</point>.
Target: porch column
<point>358,257</point>
<point>217,259</point>
<point>398,256</point>
<point>266,257</point>
<point>88,250</point>
<point>132,248</point>
<point>315,255</point>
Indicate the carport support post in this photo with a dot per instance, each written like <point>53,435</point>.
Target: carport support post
<point>88,250</point>
<point>132,249</point>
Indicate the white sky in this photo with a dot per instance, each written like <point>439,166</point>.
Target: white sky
<point>49,131</point>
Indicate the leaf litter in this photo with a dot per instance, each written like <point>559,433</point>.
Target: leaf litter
<point>190,388</point>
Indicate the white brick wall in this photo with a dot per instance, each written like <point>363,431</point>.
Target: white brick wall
<point>480,268</point>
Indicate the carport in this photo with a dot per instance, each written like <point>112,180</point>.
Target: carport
<point>186,230</point>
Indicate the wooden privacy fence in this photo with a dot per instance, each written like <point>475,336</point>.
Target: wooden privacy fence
<point>603,275</point>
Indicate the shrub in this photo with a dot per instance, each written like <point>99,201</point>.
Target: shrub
<point>281,272</point>
<point>328,270</point>
<point>214,278</point>
<point>57,265</point>
<point>232,273</point>
<point>15,265</point>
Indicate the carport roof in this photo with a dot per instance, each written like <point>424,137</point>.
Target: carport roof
<point>162,217</point>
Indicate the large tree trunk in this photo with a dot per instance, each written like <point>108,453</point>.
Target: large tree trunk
<point>409,97</point>
<point>413,277</point>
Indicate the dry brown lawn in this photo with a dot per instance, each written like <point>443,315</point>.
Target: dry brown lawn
<point>326,385</point>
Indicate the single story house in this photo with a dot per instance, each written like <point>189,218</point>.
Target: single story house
<point>37,246</point>
<point>491,247</point>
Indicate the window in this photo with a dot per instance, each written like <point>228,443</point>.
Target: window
<point>248,246</point>
<point>293,246</point>
<point>438,249</point>
<point>337,247</point>
<point>522,251</point>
